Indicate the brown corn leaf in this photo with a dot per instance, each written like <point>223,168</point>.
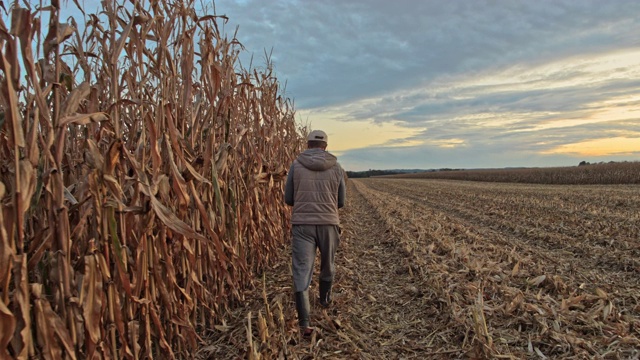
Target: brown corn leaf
<point>179,185</point>
<point>163,341</point>
<point>171,220</point>
<point>33,153</point>
<point>125,351</point>
<point>39,244</point>
<point>120,254</point>
<point>56,35</point>
<point>142,279</point>
<point>46,333</point>
<point>115,53</point>
<point>113,185</point>
<point>6,248</point>
<point>221,157</point>
<point>173,136</point>
<point>153,141</point>
<point>13,118</point>
<point>162,187</point>
<point>92,155</point>
<point>195,174</point>
<point>22,298</point>
<point>218,194</point>
<point>207,225</point>
<point>20,21</point>
<point>8,321</point>
<point>61,331</point>
<point>81,8</point>
<point>71,103</point>
<point>27,185</point>
<point>83,119</point>
<point>104,268</point>
<point>112,158</point>
<point>91,298</point>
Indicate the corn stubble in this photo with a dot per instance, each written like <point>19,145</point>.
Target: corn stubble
<point>140,178</point>
<point>522,270</point>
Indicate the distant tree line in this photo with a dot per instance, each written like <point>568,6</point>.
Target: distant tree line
<point>583,163</point>
<point>369,173</point>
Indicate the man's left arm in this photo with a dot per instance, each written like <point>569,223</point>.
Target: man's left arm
<point>288,188</point>
<point>342,193</point>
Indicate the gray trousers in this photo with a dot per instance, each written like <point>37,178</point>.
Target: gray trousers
<point>306,238</point>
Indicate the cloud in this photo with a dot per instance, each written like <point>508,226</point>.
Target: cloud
<point>486,83</point>
<point>334,52</point>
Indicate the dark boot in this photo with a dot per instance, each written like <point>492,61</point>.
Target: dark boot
<point>325,293</point>
<point>303,308</point>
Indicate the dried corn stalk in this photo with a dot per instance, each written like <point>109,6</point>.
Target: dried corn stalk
<point>141,182</point>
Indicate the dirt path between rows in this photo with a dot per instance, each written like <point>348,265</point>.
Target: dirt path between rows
<point>380,308</point>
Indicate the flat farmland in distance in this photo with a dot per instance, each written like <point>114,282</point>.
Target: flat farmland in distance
<point>518,270</point>
<point>602,173</point>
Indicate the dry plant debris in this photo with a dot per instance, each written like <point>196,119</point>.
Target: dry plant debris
<point>436,269</point>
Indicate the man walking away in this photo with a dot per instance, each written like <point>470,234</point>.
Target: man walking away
<point>316,190</point>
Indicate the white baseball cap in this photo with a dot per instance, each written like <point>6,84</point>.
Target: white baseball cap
<point>318,135</point>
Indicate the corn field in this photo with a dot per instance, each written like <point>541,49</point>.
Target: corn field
<point>593,174</point>
<point>141,176</point>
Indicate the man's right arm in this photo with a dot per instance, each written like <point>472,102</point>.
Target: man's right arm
<point>288,188</point>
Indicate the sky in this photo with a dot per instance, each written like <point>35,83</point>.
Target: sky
<point>458,84</point>
<point>454,84</point>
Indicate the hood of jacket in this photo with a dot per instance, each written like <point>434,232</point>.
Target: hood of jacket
<point>317,159</point>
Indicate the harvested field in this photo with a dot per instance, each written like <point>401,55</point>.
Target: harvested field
<point>447,269</point>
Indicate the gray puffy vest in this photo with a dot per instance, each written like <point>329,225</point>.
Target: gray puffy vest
<point>316,179</point>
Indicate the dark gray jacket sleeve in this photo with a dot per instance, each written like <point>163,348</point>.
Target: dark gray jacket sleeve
<point>342,193</point>
<point>288,188</point>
